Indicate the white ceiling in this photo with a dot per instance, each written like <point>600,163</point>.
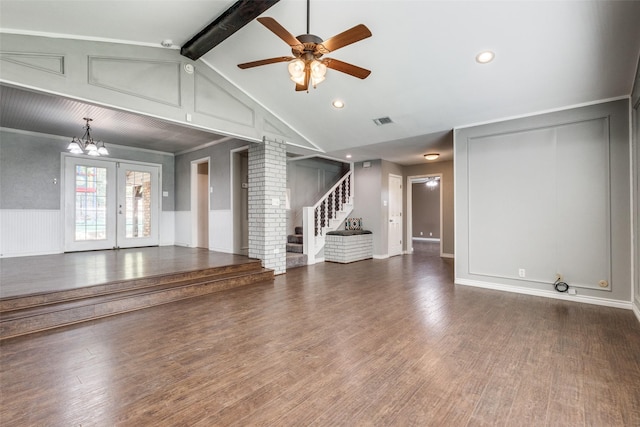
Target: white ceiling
<point>549,55</point>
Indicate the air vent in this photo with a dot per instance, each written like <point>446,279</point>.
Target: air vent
<point>383,121</point>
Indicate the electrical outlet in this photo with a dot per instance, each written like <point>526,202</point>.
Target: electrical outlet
<point>421,233</point>
<point>522,272</point>
<point>573,291</point>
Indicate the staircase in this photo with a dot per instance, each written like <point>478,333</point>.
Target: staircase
<point>33,313</point>
<point>295,255</point>
<point>326,215</point>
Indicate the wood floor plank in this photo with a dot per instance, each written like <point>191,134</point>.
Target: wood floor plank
<point>374,343</point>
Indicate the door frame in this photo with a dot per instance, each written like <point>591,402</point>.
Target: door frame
<point>63,207</point>
<point>195,216</point>
<point>399,177</point>
<point>409,215</point>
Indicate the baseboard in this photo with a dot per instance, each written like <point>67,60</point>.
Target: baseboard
<point>636,311</point>
<point>443,255</point>
<point>546,294</point>
<point>384,256</point>
<point>426,239</point>
<point>38,253</point>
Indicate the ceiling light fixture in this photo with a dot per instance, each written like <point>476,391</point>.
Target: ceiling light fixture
<point>431,156</point>
<point>337,104</point>
<point>86,144</point>
<point>348,156</point>
<point>485,57</point>
<point>432,183</point>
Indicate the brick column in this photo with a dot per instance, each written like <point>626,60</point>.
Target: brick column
<point>267,216</point>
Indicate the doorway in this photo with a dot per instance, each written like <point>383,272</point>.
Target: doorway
<point>200,202</point>
<point>109,204</point>
<point>395,215</point>
<point>424,200</point>
<point>240,196</point>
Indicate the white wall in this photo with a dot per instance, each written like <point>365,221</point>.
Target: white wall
<point>548,194</point>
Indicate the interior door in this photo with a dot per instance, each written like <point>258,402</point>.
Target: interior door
<point>138,201</point>
<point>90,201</point>
<point>395,215</point>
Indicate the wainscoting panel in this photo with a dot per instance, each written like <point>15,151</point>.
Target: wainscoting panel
<point>38,61</point>
<point>140,78</point>
<point>221,230</point>
<point>183,228</point>
<point>212,100</point>
<point>167,228</point>
<point>25,232</point>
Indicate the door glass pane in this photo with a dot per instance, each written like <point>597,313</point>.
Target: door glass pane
<point>137,204</point>
<point>91,200</point>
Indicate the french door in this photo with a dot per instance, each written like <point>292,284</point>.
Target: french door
<point>110,204</point>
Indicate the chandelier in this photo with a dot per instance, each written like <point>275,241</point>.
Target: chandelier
<point>86,144</point>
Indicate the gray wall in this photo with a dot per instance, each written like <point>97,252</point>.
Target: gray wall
<point>368,201</point>
<point>30,162</point>
<point>220,175</point>
<point>446,186</point>
<point>425,211</point>
<point>549,194</point>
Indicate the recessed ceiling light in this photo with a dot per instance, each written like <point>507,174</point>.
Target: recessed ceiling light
<point>348,156</point>
<point>485,57</point>
<point>431,156</point>
<point>338,104</point>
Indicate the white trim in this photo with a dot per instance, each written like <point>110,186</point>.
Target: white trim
<point>383,256</point>
<point>320,156</point>
<point>83,38</point>
<point>443,255</point>
<point>205,145</point>
<point>538,113</point>
<point>426,239</point>
<point>409,214</point>
<point>67,139</point>
<point>636,311</point>
<point>546,294</point>
<point>195,218</point>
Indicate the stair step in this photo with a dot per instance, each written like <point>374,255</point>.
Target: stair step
<point>295,248</point>
<point>16,322</point>
<point>298,230</point>
<point>295,260</point>
<point>295,238</point>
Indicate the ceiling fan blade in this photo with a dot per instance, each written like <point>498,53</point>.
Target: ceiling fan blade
<point>343,39</point>
<point>266,62</point>
<point>281,32</point>
<point>347,68</point>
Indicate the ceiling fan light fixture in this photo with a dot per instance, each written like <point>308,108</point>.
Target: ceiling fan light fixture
<point>296,71</point>
<point>318,72</point>
<point>431,156</point>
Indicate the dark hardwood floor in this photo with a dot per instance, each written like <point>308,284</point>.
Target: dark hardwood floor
<point>377,342</point>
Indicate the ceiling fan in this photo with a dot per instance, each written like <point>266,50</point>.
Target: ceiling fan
<point>306,66</point>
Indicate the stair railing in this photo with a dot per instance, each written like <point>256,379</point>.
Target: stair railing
<point>317,217</point>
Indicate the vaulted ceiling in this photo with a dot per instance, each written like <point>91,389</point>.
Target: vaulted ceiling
<point>548,55</point>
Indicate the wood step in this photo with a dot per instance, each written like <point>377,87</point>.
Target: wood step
<point>38,299</point>
<point>38,318</point>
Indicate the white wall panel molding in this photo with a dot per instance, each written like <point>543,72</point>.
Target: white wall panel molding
<point>167,228</point>
<point>183,228</point>
<point>26,232</point>
<point>50,63</point>
<point>221,230</point>
<point>146,80</point>
<point>544,293</point>
<point>137,77</point>
<point>213,100</point>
